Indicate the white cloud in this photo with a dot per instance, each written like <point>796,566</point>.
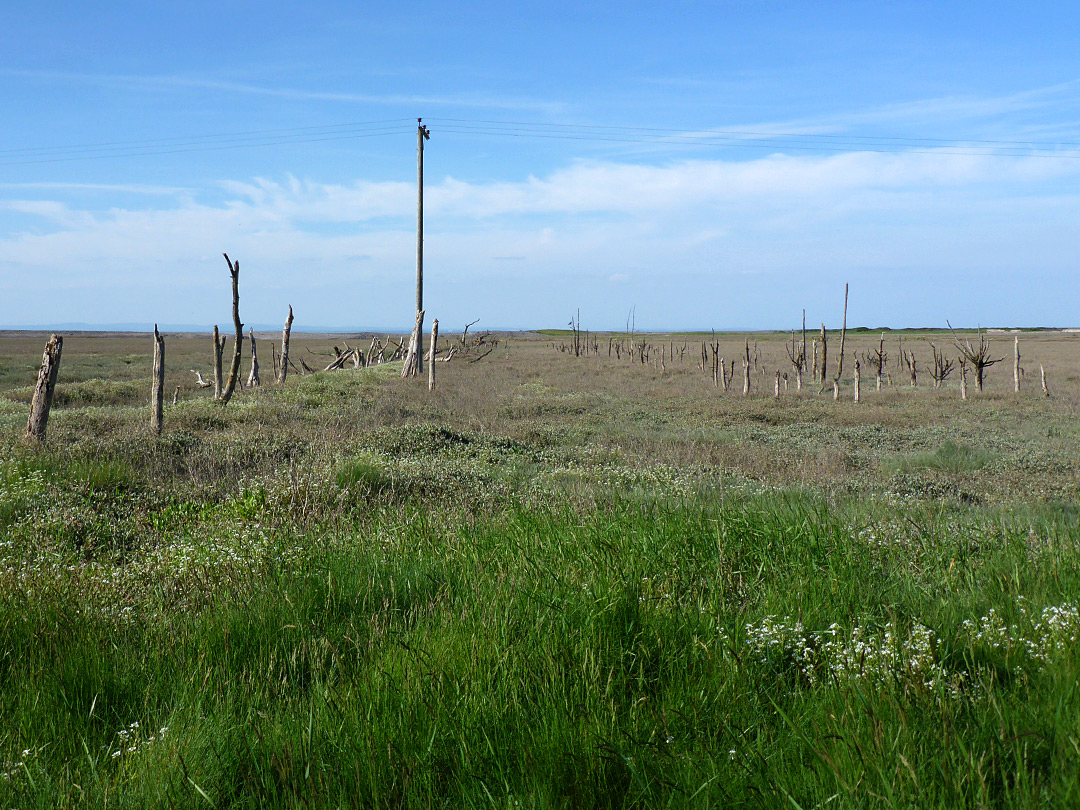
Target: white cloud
<point>778,217</point>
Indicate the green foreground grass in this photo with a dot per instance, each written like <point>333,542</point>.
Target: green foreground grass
<point>427,615</point>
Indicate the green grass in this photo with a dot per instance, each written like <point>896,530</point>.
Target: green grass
<point>622,657</point>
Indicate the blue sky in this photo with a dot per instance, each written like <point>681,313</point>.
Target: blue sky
<point>711,164</point>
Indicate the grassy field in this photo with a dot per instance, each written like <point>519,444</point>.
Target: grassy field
<point>553,582</point>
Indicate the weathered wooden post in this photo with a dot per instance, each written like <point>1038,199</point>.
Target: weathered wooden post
<point>1016,364</point>
<point>43,391</point>
<point>823,372</point>
<point>283,370</point>
<point>746,371</point>
<point>776,391</point>
<point>238,338</point>
<point>963,377</point>
<point>858,378</point>
<point>219,347</point>
<point>157,385</point>
<point>431,357</point>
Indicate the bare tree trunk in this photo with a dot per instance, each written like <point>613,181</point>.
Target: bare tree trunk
<point>880,359</point>
<point>858,379</point>
<point>253,377</point>
<point>1016,364</point>
<point>219,347</point>
<point>413,366</point>
<point>238,339</point>
<point>1042,376</point>
<point>776,391</point>
<point>824,370</point>
<point>843,335</point>
<point>813,373</point>
<point>283,370</point>
<point>43,391</point>
<point>431,358</point>
<point>835,390</point>
<point>963,378</point>
<point>157,385</point>
<point>176,395</point>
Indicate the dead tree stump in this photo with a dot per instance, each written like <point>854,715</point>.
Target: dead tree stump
<point>219,348</point>
<point>157,385</point>
<point>43,391</point>
<point>1042,377</point>
<point>776,390</point>
<point>253,376</point>
<point>431,357</point>
<point>414,363</point>
<point>1016,364</point>
<point>283,370</point>
<point>858,378</point>
<point>963,378</point>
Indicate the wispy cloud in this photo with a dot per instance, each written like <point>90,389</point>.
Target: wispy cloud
<point>162,82</point>
<point>617,226</point>
<point>121,188</point>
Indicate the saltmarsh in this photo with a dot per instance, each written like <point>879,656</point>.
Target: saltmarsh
<point>553,583</point>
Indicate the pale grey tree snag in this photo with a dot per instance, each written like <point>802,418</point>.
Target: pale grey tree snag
<point>283,370</point>
<point>746,371</point>
<point>880,359</point>
<point>219,347</point>
<point>823,372</point>
<point>431,359</point>
<point>835,390</point>
<point>43,391</point>
<point>776,390</point>
<point>253,376</point>
<point>963,377</point>
<point>176,395</point>
<point>813,373</point>
<point>157,385</point>
<point>1016,364</point>
<point>1042,376</point>
<point>843,335</point>
<point>238,339</point>
<point>413,366</point>
<point>858,379</point>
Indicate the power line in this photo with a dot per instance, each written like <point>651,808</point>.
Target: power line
<point>806,142</point>
<point>599,133</point>
<point>226,135</point>
<point>209,147</point>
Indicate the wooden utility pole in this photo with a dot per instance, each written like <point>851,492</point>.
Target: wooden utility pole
<point>414,361</point>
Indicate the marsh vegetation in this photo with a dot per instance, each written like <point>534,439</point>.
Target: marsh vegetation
<point>554,581</point>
